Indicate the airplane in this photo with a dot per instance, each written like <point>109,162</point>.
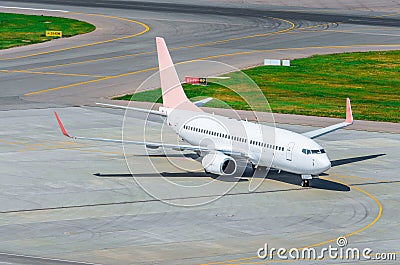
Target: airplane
<point>230,146</point>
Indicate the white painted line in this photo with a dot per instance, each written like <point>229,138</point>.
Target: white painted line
<point>34,9</point>
<point>47,259</point>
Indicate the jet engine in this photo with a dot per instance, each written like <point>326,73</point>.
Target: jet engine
<point>219,164</point>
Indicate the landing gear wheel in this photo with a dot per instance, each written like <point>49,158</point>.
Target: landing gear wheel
<point>305,183</point>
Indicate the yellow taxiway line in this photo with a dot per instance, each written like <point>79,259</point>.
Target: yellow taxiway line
<point>146,29</point>
<point>203,58</point>
<point>49,73</point>
<point>292,27</point>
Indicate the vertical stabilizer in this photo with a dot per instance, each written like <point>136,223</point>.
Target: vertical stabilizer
<point>172,92</point>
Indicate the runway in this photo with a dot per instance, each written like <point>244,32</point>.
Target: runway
<point>77,203</point>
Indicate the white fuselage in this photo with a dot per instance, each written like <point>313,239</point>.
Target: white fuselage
<point>263,145</point>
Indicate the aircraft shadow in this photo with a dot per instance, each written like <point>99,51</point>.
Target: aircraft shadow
<point>192,156</point>
<point>173,175</point>
<point>294,179</point>
<point>350,160</point>
<point>284,177</point>
<point>152,175</point>
<point>281,177</point>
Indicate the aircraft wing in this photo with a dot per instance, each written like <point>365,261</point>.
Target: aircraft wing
<point>153,145</point>
<point>323,131</point>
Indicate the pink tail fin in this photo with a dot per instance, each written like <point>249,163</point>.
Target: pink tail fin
<point>172,91</point>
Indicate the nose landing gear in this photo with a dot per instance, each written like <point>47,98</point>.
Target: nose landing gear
<point>305,180</point>
<point>305,183</point>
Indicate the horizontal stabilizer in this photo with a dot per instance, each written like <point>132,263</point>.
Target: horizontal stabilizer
<point>156,112</point>
<point>202,102</point>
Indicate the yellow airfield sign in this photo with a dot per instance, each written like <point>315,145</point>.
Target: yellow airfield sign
<point>53,33</point>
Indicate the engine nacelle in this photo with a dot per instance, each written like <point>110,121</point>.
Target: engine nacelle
<point>219,164</point>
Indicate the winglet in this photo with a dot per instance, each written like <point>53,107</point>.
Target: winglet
<point>349,114</point>
<point>61,125</point>
<point>325,130</point>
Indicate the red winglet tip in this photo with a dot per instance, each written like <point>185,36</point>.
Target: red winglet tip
<point>349,114</point>
<point>61,125</point>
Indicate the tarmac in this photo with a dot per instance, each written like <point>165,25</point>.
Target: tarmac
<point>66,202</point>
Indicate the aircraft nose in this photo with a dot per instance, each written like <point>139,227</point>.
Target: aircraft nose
<point>324,164</point>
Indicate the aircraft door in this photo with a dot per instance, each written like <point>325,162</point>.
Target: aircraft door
<point>289,151</point>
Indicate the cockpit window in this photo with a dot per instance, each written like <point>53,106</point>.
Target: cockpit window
<point>316,151</point>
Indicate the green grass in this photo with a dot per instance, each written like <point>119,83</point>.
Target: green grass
<point>18,30</point>
<point>318,86</point>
